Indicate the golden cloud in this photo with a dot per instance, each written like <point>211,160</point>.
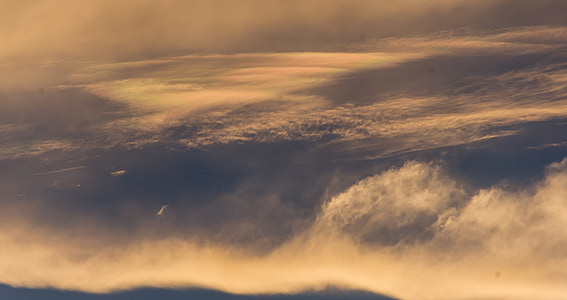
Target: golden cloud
<point>364,238</point>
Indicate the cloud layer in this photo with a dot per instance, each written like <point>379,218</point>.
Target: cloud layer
<point>419,88</point>
<point>409,149</point>
<point>413,224</point>
<point>144,29</point>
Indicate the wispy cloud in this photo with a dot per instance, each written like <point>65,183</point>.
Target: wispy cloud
<point>118,173</point>
<point>206,100</point>
<point>29,148</point>
<point>60,171</point>
<point>162,210</point>
<point>461,115</point>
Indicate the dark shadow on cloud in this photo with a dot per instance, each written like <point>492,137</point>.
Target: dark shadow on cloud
<point>56,113</point>
<point>359,19</point>
<point>440,75</point>
<point>11,293</point>
<point>510,13</point>
<point>253,195</point>
<point>515,160</point>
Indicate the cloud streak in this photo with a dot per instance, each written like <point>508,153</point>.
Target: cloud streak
<point>162,210</point>
<point>60,171</point>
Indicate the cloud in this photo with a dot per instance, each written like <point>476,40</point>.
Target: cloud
<point>189,83</point>
<point>412,224</point>
<point>395,208</point>
<point>118,173</point>
<point>33,148</point>
<point>389,90</point>
<point>146,29</point>
<point>162,210</point>
<point>482,82</point>
<point>250,132</point>
<point>61,170</point>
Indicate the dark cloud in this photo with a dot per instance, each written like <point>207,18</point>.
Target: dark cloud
<point>447,75</point>
<point>50,114</point>
<point>9,293</point>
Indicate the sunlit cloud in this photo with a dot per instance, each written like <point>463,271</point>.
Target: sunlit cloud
<point>16,150</point>
<point>161,211</point>
<point>118,173</point>
<point>188,144</point>
<point>242,79</point>
<point>414,223</point>
<point>206,93</point>
<point>60,171</point>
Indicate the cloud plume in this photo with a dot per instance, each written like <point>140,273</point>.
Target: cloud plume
<point>412,224</point>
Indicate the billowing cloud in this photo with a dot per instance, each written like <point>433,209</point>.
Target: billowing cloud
<point>412,224</point>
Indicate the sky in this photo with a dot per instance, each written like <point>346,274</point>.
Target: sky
<point>271,149</point>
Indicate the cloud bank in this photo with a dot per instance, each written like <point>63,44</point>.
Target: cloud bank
<point>145,29</point>
<point>412,224</point>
